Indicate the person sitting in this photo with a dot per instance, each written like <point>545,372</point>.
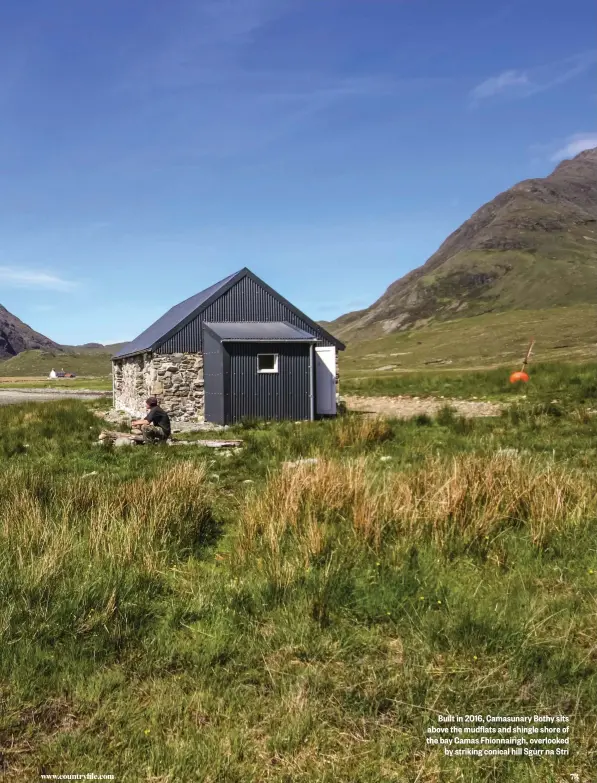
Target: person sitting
<point>156,424</point>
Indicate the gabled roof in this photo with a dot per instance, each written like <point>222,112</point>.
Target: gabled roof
<point>175,316</point>
<point>259,331</point>
<point>179,315</point>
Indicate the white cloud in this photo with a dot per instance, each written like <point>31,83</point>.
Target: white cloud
<point>508,80</point>
<point>28,278</point>
<point>516,83</point>
<point>575,144</point>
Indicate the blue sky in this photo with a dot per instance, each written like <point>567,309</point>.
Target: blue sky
<point>148,149</point>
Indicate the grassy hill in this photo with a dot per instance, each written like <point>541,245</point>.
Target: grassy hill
<point>93,362</point>
<point>534,247</point>
<point>93,348</point>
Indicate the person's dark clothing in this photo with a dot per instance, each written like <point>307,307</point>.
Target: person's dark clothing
<point>159,418</point>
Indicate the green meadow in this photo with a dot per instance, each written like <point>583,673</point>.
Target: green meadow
<point>179,614</point>
<point>564,382</point>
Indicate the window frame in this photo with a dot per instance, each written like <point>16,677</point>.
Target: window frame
<point>275,369</point>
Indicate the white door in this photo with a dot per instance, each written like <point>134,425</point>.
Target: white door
<point>325,380</point>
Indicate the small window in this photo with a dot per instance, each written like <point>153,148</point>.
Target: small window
<point>267,362</point>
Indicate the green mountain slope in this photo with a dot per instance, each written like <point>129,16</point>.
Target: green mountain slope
<point>533,247</point>
<point>492,339</point>
<point>81,361</point>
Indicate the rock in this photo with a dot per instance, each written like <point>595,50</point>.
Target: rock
<point>385,459</point>
<point>120,442</point>
<point>248,481</point>
<point>113,416</point>
<point>298,462</point>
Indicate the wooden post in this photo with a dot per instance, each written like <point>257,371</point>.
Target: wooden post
<point>528,356</point>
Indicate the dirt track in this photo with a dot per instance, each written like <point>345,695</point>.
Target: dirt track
<point>407,407</point>
<point>392,407</point>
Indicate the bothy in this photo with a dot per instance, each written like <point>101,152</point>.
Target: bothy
<point>236,350</point>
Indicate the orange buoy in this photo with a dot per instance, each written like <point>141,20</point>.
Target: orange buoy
<point>519,376</point>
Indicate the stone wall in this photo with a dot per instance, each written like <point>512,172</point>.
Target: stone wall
<point>176,379</point>
<point>128,382</point>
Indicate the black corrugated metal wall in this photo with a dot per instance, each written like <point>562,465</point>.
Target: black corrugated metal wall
<point>245,301</point>
<point>281,395</point>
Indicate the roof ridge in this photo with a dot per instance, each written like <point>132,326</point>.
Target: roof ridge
<point>182,313</point>
<point>145,341</point>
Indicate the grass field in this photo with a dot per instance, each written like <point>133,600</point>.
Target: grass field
<point>175,615</point>
<point>36,364</point>
<point>563,382</point>
<point>563,334</point>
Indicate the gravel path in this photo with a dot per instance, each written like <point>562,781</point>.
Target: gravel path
<point>18,396</point>
<point>396,407</point>
<point>407,407</point>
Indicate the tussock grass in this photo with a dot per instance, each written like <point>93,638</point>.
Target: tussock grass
<point>361,430</point>
<point>81,558</point>
<point>114,519</point>
<point>302,515</point>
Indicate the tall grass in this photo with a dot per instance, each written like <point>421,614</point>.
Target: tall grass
<point>303,514</point>
<point>156,517</point>
<point>361,431</point>
<point>81,555</point>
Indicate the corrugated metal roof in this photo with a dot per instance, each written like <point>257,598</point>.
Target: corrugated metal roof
<point>179,316</point>
<point>147,339</point>
<point>255,331</point>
